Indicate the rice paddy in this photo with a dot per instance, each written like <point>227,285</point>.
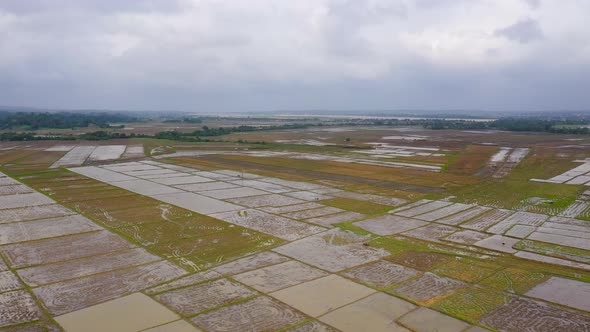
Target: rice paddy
<point>207,239</point>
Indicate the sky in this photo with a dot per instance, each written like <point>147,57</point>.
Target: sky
<point>272,55</point>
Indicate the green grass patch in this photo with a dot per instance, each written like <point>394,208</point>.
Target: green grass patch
<point>363,207</point>
<point>395,245</point>
<point>545,268</point>
<point>348,226</point>
<point>472,303</point>
<point>467,269</point>
<point>514,280</point>
<point>153,147</point>
<point>513,191</point>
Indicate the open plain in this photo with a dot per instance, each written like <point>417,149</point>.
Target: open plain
<point>442,231</point>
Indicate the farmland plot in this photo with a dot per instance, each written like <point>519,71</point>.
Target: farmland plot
<point>276,277</point>
<point>272,200</point>
<point>387,225</point>
<point>428,207</point>
<point>313,326</point>
<point>280,227</point>
<point>144,187</point>
<point>520,217</point>
<point>411,205</point>
<point>133,151</point>
<point>466,237</point>
<point>134,312</point>
<point>501,155</point>
<point>18,307</point>
<point>425,319</point>
<point>428,286</point>
<point>293,184</point>
<point>471,304</point>
<point>45,274</point>
<point>5,181</point>
<point>261,185</point>
<point>249,263</point>
<point>307,214</point>
<point>515,280</point>
<point>443,212</point>
<point>9,282</point>
<point>517,155</point>
<point>241,175</point>
<point>498,243</point>
<point>506,159</point>
<point>179,168</point>
<point>463,216</point>
<point>307,195</point>
<point>551,260</point>
<point>60,148</point>
<point>44,228</point>
<point>291,208</point>
<point>33,212</point>
<point>322,295</point>
<point>575,209</point>
<point>384,200</point>
<point>329,220</point>
<point>487,220</point>
<point>377,312</point>
<point>339,250</point>
<point>381,274</point>
<point>522,314</point>
<point>567,292</point>
<point>200,187</point>
<point>520,231</point>
<point>233,193</point>
<point>24,200</point>
<point>418,260</point>
<point>578,175</point>
<point>14,189</point>
<point>68,296</point>
<point>191,279</point>
<point>194,299</point>
<point>196,202</point>
<point>184,179</point>
<point>163,232</point>
<point>154,174</point>
<point>107,152</point>
<point>564,240</point>
<point>259,314</point>
<point>101,174</point>
<point>63,248</point>
<point>466,269</point>
<point>432,232</point>
<point>216,176</point>
<point>130,166</point>
<point>75,157</point>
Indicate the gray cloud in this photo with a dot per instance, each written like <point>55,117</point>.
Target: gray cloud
<point>524,31</point>
<point>208,55</point>
<point>104,6</point>
<point>534,3</point>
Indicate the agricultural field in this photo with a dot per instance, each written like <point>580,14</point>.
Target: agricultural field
<point>318,229</point>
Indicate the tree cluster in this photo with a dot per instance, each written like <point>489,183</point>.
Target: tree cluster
<point>62,120</point>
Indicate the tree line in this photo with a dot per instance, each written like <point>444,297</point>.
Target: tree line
<point>563,126</point>
<point>61,120</point>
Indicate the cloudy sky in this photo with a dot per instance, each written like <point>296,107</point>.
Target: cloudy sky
<point>260,55</point>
